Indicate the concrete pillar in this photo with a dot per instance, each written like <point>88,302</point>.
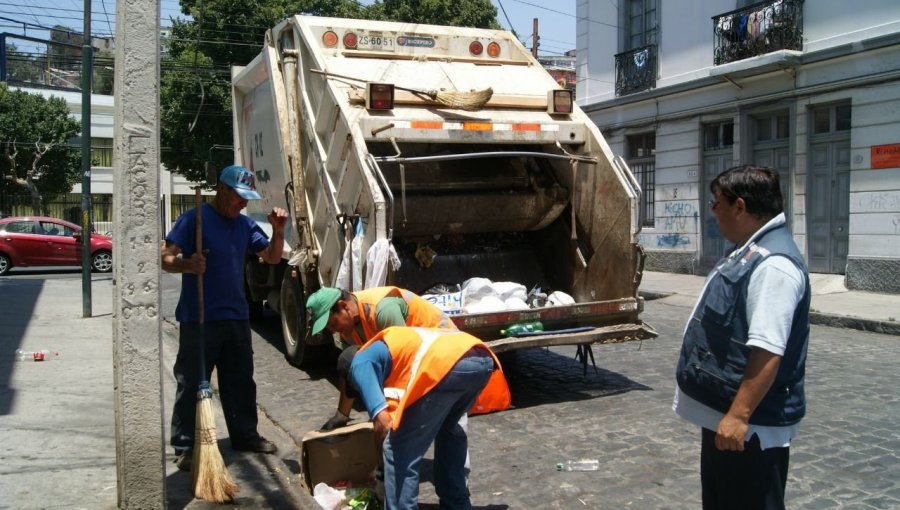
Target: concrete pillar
<point>137,327</point>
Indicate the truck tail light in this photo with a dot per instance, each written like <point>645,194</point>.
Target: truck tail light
<point>476,48</point>
<point>493,50</point>
<point>329,39</point>
<point>559,102</point>
<point>379,96</point>
<point>350,40</point>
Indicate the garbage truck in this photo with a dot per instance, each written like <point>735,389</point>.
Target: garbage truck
<point>429,157</point>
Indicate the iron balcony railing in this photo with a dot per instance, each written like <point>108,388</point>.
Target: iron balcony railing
<point>636,70</point>
<point>758,29</point>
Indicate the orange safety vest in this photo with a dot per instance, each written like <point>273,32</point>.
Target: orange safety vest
<point>421,313</point>
<point>422,357</point>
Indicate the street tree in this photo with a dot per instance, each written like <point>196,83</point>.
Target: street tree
<point>460,13</point>
<point>195,114</point>
<point>35,134</point>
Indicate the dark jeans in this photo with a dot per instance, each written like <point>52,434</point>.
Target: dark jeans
<point>229,350</point>
<point>753,479</point>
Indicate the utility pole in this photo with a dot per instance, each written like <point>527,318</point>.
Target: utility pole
<point>86,206</point>
<point>137,326</point>
<point>534,39</point>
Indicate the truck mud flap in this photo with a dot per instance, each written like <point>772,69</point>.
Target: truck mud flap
<point>613,334</point>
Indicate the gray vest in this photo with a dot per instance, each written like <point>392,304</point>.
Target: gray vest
<point>714,353</point>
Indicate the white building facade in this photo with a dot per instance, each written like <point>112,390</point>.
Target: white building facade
<point>684,90</point>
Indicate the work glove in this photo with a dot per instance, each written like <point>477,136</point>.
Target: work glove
<point>338,420</point>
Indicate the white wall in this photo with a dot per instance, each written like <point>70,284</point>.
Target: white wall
<point>686,37</point>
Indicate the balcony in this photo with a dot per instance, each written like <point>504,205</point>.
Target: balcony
<point>758,29</point>
<point>636,70</point>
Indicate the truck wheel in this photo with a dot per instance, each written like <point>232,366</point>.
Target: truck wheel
<point>256,308</point>
<point>297,348</point>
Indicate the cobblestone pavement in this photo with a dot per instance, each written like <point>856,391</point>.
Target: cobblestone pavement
<point>846,456</point>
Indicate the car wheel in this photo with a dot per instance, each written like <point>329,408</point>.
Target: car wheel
<point>5,264</point>
<point>101,261</point>
<point>297,348</point>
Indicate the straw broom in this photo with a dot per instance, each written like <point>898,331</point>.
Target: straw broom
<point>209,477</point>
<point>473,100</point>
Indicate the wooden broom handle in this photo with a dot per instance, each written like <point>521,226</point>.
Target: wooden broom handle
<point>198,241</point>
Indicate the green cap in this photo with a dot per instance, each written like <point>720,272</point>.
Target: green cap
<point>319,305</point>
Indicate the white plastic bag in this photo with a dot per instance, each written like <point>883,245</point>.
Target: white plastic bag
<point>559,298</point>
<point>326,497</point>
<point>379,255</point>
<point>352,256</point>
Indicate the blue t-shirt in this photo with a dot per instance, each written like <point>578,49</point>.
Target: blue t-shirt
<point>228,242</point>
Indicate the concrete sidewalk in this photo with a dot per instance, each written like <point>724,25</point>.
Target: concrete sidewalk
<point>832,303</point>
<point>57,416</point>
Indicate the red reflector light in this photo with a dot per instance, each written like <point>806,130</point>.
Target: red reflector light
<point>559,102</point>
<point>493,50</point>
<point>329,39</point>
<point>476,48</point>
<point>350,40</point>
<point>379,96</point>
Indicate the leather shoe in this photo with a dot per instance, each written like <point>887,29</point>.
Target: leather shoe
<point>184,461</point>
<point>256,444</point>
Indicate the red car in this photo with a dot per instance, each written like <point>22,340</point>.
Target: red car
<point>27,241</point>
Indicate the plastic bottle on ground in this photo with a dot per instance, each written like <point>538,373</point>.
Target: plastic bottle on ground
<point>522,327</point>
<point>578,465</point>
<point>41,355</point>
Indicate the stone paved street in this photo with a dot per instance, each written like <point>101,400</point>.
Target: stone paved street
<point>846,456</point>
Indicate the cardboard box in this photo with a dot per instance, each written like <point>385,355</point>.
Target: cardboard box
<point>347,453</point>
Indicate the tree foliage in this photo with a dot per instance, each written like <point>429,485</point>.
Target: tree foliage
<point>34,140</point>
<point>460,13</point>
<point>195,115</point>
<point>222,33</point>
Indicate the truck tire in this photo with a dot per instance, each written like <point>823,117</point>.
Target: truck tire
<point>297,348</point>
<point>256,308</point>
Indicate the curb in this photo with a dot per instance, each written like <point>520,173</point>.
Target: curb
<point>818,318</point>
<point>848,322</point>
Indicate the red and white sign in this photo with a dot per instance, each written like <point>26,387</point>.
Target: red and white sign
<point>886,156</point>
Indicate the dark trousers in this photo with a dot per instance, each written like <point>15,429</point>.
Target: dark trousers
<point>753,479</point>
<point>228,349</point>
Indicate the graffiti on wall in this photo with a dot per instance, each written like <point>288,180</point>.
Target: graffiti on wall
<point>673,240</point>
<point>678,216</point>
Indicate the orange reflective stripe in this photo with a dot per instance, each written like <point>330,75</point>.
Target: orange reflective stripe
<point>526,127</point>
<point>478,126</point>
<point>425,124</point>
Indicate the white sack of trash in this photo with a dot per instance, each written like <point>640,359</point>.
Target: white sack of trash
<point>481,295</point>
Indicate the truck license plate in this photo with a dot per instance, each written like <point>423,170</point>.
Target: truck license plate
<point>376,42</point>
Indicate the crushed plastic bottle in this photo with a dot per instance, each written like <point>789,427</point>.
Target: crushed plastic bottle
<point>522,327</point>
<point>578,465</point>
<point>41,355</point>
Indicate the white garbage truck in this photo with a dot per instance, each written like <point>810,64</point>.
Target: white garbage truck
<point>431,157</point>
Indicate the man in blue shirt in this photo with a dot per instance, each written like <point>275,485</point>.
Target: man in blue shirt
<point>741,371</point>
<point>228,237</point>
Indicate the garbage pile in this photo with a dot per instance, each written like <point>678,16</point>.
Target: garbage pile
<point>481,295</point>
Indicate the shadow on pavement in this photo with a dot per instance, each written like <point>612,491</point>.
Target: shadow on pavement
<point>262,482</point>
<point>541,376</point>
<point>24,295</point>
